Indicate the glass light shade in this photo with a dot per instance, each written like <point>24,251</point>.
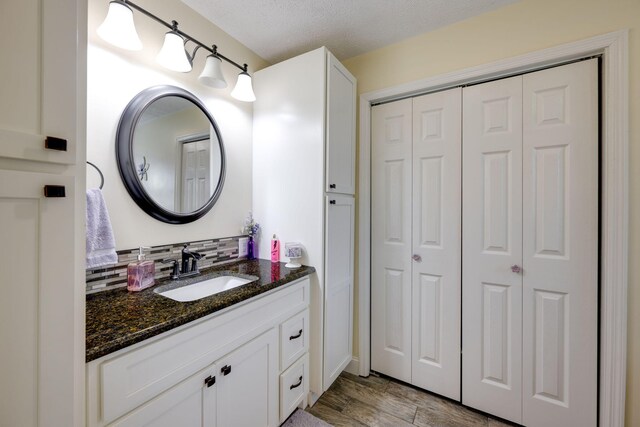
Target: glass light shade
<point>118,27</point>
<point>212,73</point>
<point>243,90</point>
<point>173,55</point>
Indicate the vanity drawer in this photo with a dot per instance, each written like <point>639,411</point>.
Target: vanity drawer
<point>294,387</point>
<point>294,338</point>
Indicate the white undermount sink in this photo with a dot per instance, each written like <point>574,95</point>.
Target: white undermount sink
<point>205,288</point>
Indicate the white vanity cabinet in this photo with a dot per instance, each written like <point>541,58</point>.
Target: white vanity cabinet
<point>303,185</point>
<point>223,370</point>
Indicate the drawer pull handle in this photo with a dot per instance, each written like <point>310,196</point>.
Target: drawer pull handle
<point>332,202</point>
<point>295,337</point>
<point>209,381</point>
<point>291,387</point>
<point>226,369</point>
<point>332,186</point>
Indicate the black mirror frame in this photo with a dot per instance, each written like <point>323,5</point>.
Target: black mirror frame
<point>126,164</point>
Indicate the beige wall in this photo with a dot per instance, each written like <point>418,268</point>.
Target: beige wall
<point>115,76</point>
<point>520,28</point>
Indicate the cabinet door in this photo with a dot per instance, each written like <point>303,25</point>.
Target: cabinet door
<point>191,403</point>
<point>248,384</point>
<point>391,135</point>
<point>338,292</point>
<point>491,245</point>
<point>340,128</point>
<point>40,82</point>
<point>36,324</point>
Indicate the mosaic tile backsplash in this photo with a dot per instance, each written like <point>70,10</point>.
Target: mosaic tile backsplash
<point>214,251</point>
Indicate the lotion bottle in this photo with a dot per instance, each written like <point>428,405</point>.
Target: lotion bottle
<point>141,274</point>
<point>275,249</point>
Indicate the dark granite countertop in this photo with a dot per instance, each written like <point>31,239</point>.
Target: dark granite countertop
<point>117,319</point>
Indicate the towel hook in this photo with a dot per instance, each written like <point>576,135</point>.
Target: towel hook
<point>100,172</point>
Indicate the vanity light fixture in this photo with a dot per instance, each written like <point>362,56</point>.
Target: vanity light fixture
<point>118,29</point>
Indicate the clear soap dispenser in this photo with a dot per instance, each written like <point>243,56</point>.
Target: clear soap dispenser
<point>141,274</point>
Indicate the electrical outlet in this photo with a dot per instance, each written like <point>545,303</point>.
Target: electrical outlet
<point>243,243</point>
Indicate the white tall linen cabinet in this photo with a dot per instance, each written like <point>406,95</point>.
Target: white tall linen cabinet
<point>303,191</point>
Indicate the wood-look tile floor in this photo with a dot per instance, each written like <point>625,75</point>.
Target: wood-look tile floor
<point>383,402</point>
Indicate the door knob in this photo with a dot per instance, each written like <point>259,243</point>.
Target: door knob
<point>516,269</point>
<point>416,258</point>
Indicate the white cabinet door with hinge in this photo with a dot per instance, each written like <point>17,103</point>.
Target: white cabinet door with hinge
<point>560,246</point>
<point>36,324</point>
<point>492,248</point>
<point>338,305</point>
<point>191,403</point>
<point>340,128</point>
<point>39,85</point>
<point>391,246</point>
<point>247,381</point>
<point>436,242</point>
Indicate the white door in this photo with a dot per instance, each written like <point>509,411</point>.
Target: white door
<point>247,382</point>
<point>436,243</point>
<point>560,246</point>
<point>36,324</point>
<point>338,305</point>
<point>196,175</point>
<point>491,245</point>
<point>191,403</point>
<point>391,247</point>
<point>341,128</point>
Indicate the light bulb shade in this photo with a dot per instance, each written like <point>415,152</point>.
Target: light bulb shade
<point>173,55</point>
<point>243,90</point>
<point>212,73</point>
<point>118,27</point>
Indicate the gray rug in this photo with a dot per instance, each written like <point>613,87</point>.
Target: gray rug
<point>304,419</point>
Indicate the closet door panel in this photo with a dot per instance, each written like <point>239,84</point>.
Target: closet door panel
<point>391,239</point>
<point>560,245</point>
<point>492,245</point>
<point>436,242</point>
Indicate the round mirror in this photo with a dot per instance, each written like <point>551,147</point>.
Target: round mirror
<point>170,154</point>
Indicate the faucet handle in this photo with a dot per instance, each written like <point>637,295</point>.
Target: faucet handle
<point>175,272</point>
<point>194,262</point>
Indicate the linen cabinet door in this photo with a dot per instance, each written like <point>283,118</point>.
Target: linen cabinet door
<point>338,305</point>
<point>248,384</point>
<point>391,246</point>
<point>191,403</point>
<point>492,248</point>
<point>36,324</point>
<point>436,233</point>
<point>340,128</point>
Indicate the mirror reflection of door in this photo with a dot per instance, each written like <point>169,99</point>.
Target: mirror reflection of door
<point>194,188</point>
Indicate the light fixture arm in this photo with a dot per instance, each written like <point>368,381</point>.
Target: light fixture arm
<point>174,27</point>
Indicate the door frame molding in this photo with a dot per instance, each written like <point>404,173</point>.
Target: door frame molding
<point>614,197</point>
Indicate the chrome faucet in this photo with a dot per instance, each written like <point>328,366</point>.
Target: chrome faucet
<point>184,269</point>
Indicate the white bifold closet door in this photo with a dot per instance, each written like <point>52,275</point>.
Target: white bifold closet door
<point>416,185</point>
<point>530,246</point>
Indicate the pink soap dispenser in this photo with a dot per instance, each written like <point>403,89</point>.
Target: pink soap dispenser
<point>141,274</point>
<point>275,249</point>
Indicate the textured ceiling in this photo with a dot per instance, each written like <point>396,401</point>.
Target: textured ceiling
<point>279,29</point>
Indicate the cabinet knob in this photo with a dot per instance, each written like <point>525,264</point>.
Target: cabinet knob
<point>332,186</point>
<point>226,369</point>
<point>516,269</point>
<point>209,381</point>
<point>416,258</point>
<point>332,202</point>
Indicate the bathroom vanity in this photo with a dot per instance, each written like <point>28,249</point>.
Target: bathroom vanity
<point>237,358</point>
